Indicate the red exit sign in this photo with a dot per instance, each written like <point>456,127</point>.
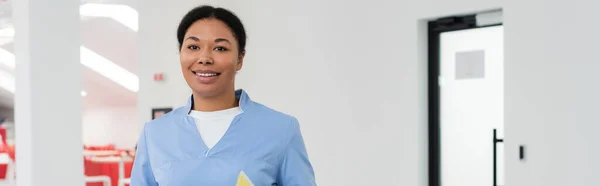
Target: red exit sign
<point>159,77</point>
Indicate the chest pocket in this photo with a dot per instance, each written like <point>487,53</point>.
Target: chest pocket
<point>183,172</point>
<point>197,171</point>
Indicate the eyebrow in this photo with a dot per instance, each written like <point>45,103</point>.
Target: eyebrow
<point>222,40</point>
<point>193,38</point>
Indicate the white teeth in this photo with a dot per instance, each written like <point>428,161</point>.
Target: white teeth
<point>206,74</point>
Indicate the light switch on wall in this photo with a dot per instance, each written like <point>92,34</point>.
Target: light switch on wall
<point>522,153</point>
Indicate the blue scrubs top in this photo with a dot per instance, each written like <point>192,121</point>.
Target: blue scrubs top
<point>262,144</point>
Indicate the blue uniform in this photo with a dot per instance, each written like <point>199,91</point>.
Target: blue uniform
<point>264,145</point>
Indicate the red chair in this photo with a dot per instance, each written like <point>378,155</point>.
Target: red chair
<point>105,147</point>
<point>7,169</point>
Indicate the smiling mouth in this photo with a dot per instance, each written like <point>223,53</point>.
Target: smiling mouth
<point>206,74</point>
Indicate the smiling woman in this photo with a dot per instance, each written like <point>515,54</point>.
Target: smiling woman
<point>210,56</point>
<point>221,137</point>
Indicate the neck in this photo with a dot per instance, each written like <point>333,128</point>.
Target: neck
<point>215,103</point>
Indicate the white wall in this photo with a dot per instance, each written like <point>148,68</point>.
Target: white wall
<point>102,126</point>
<point>355,75</point>
<point>158,54</point>
<point>552,92</point>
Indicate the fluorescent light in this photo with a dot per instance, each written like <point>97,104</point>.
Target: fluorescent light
<point>109,69</point>
<point>121,13</point>
<point>7,58</point>
<point>95,62</point>
<point>7,81</point>
<point>6,35</point>
<point>5,40</point>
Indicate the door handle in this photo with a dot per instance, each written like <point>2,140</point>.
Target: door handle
<point>495,142</point>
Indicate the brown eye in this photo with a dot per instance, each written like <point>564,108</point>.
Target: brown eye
<point>221,49</point>
<point>193,47</point>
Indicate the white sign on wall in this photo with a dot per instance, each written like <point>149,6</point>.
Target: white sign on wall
<point>470,65</point>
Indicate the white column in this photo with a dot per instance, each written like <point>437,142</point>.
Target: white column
<point>47,97</point>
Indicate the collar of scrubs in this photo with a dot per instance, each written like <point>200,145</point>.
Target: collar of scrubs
<point>189,124</point>
<point>240,94</point>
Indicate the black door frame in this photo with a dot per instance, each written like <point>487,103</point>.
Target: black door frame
<point>435,28</point>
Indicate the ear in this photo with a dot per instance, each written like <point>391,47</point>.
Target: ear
<point>240,61</point>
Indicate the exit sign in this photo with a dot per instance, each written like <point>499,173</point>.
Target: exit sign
<point>159,77</point>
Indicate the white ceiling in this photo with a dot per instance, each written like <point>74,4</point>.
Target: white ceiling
<point>118,44</point>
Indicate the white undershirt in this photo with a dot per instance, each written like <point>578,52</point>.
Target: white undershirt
<point>213,125</point>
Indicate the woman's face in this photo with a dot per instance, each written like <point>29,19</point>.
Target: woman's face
<point>210,58</point>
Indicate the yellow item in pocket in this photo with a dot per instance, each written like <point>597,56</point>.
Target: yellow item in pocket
<point>243,180</point>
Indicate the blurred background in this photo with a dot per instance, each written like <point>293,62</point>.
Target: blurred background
<point>412,93</point>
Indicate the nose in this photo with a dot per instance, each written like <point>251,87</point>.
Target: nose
<point>205,58</point>
<point>205,61</point>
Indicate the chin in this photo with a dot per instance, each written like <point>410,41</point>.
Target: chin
<point>207,90</point>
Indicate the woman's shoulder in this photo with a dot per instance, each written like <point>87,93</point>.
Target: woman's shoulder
<point>270,117</point>
<point>164,121</point>
<point>268,112</point>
